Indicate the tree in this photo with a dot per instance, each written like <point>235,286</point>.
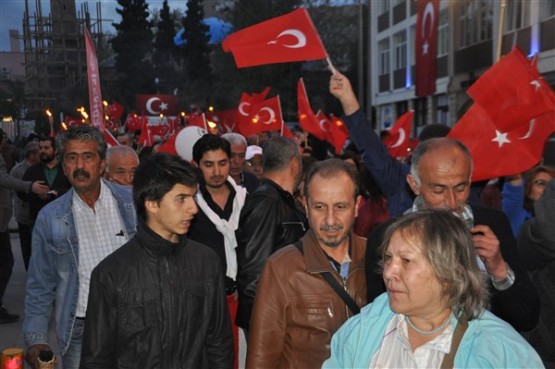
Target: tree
<point>165,56</point>
<point>133,45</point>
<point>196,55</point>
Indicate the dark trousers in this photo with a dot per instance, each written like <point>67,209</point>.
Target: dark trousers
<point>25,232</point>
<point>6,262</point>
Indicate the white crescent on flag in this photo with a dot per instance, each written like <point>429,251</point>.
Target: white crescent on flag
<point>323,123</point>
<point>241,107</point>
<point>401,139</point>
<point>270,112</point>
<point>149,105</point>
<point>530,130</point>
<point>299,35</point>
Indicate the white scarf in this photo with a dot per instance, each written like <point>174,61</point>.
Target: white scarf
<point>227,227</point>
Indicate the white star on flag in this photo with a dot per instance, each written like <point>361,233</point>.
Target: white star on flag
<point>536,84</point>
<point>501,138</point>
<point>425,47</point>
<point>163,106</point>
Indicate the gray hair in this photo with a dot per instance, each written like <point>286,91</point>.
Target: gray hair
<point>278,153</point>
<point>235,138</point>
<point>331,168</point>
<point>30,148</point>
<point>121,150</point>
<point>433,144</point>
<point>82,133</point>
<point>446,243</point>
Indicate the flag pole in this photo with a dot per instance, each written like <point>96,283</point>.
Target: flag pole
<point>204,121</point>
<point>500,27</point>
<point>282,123</point>
<point>330,66</point>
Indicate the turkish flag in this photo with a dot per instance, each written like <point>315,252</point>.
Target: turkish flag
<point>169,146</point>
<point>225,119</point>
<point>264,116</point>
<point>93,78</point>
<point>157,104</point>
<point>512,91</point>
<point>398,141</point>
<point>197,120</point>
<point>244,107</point>
<point>426,47</point>
<point>114,111</point>
<point>145,138</point>
<point>337,132</point>
<point>286,132</point>
<point>287,38</point>
<point>307,119</point>
<point>73,121</point>
<point>496,153</point>
<point>110,139</point>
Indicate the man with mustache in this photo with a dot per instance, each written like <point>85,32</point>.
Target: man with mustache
<point>50,171</point>
<point>220,200</point>
<point>297,310</point>
<point>72,234</point>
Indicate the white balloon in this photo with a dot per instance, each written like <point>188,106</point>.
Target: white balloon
<point>186,139</point>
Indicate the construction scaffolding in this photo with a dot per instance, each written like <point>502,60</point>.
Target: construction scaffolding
<point>55,57</point>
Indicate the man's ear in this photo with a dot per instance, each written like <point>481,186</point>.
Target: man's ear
<point>151,206</point>
<point>413,184</point>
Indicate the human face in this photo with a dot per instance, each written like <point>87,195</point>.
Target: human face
<point>46,151</point>
<point>332,209</point>
<point>83,166</point>
<point>237,159</point>
<point>121,169</point>
<point>445,179</point>
<point>255,166</point>
<point>214,166</point>
<point>413,288</point>
<point>171,216</point>
<point>540,181</point>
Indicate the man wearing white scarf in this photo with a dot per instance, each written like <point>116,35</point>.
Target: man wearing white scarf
<point>220,201</point>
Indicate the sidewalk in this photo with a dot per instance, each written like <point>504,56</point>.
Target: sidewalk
<point>11,335</point>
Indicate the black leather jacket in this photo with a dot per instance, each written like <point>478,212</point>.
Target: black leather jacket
<point>154,304</point>
<point>270,220</point>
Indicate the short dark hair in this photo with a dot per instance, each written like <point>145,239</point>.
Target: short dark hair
<point>51,139</point>
<point>331,168</point>
<point>82,133</point>
<point>156,175</point>
<point>210,142</point>
<point>278,153</point>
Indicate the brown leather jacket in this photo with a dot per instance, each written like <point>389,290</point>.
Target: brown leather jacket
<point>296,311</point>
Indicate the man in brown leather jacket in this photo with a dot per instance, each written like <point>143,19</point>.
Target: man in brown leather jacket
<point>296,309</point>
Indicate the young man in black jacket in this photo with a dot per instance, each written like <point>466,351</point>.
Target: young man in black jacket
<point>159,300</point>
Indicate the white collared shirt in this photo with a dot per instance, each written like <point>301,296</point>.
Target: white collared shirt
<point>395,350</point>
<point>100,231</point>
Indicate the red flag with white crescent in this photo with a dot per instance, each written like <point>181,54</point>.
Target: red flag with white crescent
<point>287,38</point>
<point>157,104</point>
<point>264,116</point>
<point>95,95</point>
<point>426,47</point>
<point>398,141</point>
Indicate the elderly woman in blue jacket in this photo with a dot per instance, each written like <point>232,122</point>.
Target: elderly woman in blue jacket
<point>434,311</point>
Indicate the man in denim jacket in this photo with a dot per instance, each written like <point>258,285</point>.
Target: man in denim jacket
<point>71,236</point>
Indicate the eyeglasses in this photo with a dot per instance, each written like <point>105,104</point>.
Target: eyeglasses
<point>540,183</point>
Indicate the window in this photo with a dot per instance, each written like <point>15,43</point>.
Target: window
<point>547,9</point>
<point>442,109</point>
<point>383,6</point>
<point>443,33</point>
<point>517,14</point>
<point>400,42</point>
<point>476,22</point>
<point>384,56</point>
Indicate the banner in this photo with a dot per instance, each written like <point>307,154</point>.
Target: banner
<point>95,96</point>
<point>426,47</point>
<point>157,104</point>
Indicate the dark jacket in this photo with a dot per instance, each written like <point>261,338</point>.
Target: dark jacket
<point>296,310</point>
<point>518,305</point>
<point>270,220</point>
<point>155,304</point>
<point>36,173</point>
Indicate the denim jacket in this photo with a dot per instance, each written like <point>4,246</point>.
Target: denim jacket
<point>53,278</point>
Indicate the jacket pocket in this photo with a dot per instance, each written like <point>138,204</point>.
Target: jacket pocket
<point>62,254</point>
<point>138,309</point>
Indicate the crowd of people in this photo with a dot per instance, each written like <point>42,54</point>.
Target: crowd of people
<point>257,254</point>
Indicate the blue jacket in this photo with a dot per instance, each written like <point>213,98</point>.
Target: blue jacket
<point>513,206</point>
<point>488,342</point>
<point>389,174</point>
<point>53,279</point>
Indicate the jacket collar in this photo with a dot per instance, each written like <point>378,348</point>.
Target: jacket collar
<point>316,260</point>
<point>155,245</point>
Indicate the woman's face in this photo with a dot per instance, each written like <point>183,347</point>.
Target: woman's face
<point>539,182</point>
<point>412,286</point>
